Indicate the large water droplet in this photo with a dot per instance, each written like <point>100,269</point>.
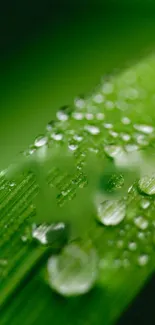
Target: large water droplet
<point>74,271</point>
<point>111,212</point>
<point>48,234</point>
<point>147,185</point>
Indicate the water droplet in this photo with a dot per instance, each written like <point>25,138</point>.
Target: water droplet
<point>89,116</point>
<point>147,129</point>
<point>109,105</point>
<point>57,136</point>
<point>141,139</point>
<point>78,138</point>
<point>113,133</point>
<point>78,116</point>
<point>74,271</point>
<point>108,88</point>
<point>113,151</point>
<point>50,126</point>
<point>131,93</point>
<point>141,222</point>
<point>132,246</point>
<point>111,212</point>
<point>143,260</point>
<point>141,235</point>
<point>125,120</point>
<point>72,146</point>
<point>12,184</point>
<point>92,129</point>
<point>62,115</point>
<point>125,137</point>
<point>98,98</point>
<point>108,125</point>
<point>48,234</point>
<point>24,238</point>
<point>79,102</point>
<point>40,141</point>
<point>145,204</point>
<point>100,116</point>
<point>147,185</point>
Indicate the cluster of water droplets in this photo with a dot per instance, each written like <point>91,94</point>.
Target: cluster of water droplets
<point>102,124</point>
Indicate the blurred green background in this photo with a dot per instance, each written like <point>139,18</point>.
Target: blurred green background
<point>54,51</point>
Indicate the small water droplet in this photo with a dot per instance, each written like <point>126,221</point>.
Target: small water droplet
<point>113,151</point>
<point>125,120</point>
<point>89,116</point>
<point>12,184</point>
<point>125,137</point>
<point>24,238</point>
<point>141,222</point>
<point>79,102</point>
<point>62,115</point>
<point>113,133</point>
<point>111,212</point>
<point>77,116</point>
<point>141,139</point>
<point>78,138</point>
<point>108,88</point>
<point>143,259</point>
<point>48,234</point>
<point>147,185</point>
<point>57,136</point>
<point>92,129</point>
<point>145,204</point>
<point>50,126</point>
<point>141,235</point>
<point>147,129</point>
<point>108,125</point>
<point>40,141</point>
<point>73,146</point>
<point>109,105</point>
<point>74,271</point>
<point>98,98</point>
<point>100,116</point>
<point>132,246</point>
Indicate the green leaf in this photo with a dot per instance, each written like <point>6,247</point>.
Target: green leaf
<point>117,120</point>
